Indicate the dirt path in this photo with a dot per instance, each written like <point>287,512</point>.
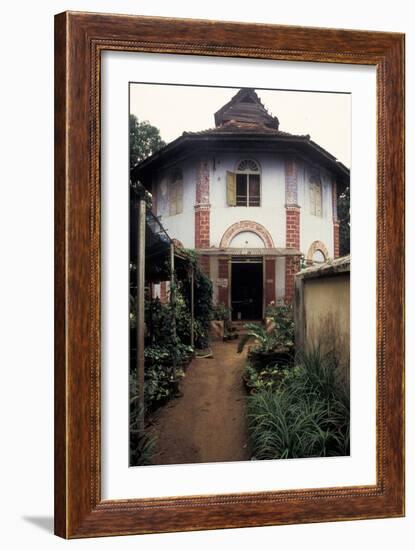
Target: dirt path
<point>206,424</point>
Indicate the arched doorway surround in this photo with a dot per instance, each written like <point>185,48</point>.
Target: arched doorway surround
<point>246,225</point>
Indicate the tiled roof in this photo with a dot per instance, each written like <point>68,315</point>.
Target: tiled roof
<point>244,118</point>
<point>234,127</point>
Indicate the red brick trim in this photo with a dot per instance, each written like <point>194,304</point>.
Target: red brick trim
<point>334,201</point>
<point>246,225</point>
<point>292,266</point>
<point>336,239</point>
<point>202,206</point>
<point>202,228</point>
<point>223,273</point>
<point>292,226</point>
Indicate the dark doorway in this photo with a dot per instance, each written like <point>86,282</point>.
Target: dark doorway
<point>247,289</point>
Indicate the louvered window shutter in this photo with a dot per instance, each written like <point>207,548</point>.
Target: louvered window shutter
<point>231,188</point>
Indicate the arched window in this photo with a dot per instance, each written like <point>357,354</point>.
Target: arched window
<point>248,183</point>
<point>317,253</point>
<point>176,193</point>
<point>316,203</point>
<point>248,166</point>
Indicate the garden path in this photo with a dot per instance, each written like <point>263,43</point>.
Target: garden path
<point>206,424</point>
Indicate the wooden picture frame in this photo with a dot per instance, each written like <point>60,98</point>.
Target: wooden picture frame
<point>79,40</point>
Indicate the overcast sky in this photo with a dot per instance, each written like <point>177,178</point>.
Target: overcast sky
<point>176,109</point>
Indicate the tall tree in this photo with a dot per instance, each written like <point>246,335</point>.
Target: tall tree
<point>343,212</point>
<point>145,140</point>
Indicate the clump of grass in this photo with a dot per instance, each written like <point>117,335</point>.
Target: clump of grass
<point>307,416</point>
<point>142,447</point>
<point>142,443</point>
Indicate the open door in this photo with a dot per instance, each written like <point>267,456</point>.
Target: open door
<point>247,289</point>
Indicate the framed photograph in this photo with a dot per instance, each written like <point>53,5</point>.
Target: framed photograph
<point>229,275</point>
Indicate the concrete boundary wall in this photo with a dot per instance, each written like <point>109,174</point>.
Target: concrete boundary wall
<point>322,309</point>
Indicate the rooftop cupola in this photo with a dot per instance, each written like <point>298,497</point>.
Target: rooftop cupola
<point>245,108</point>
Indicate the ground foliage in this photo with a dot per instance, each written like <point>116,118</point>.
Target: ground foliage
<point>142,444</point>
<point>167,345</point>
<point>306,415</point>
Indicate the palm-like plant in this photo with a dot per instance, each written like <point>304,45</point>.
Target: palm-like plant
<point>265,342</point>
<point>279,338</point>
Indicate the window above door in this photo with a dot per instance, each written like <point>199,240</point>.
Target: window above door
<point>244,185</point>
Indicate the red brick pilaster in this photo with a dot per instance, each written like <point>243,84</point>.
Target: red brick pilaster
<point>336,239</point>
<point>223,284</point>
<point>292,266</point>
<point>292,227</point>
<point>269,281</point>
<point>202,206</point>
<point>202,213</point>
<point>202,227</point>
<point>336,225</point>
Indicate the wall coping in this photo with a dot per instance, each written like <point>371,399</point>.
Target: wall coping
<point>339,266</point>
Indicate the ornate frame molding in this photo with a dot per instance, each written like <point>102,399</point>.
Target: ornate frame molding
<point>79,40</point>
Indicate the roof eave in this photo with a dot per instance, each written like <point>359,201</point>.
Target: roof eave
<point>209,138</point>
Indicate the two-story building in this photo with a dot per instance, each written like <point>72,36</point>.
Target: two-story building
<point>250,199</point>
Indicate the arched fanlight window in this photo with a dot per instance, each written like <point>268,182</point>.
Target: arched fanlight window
<point>317,253</point>
<point>176,193</point>
<point>248,165</point>
<point>244,186</point>
<point>319,257</point>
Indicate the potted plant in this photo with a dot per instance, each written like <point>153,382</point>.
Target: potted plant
<point>220,318</point>
<point>273,345</point>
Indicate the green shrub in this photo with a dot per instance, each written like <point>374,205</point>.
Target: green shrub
<point>283,324</point>
<point>221,313</point>
<point>156,355</point>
